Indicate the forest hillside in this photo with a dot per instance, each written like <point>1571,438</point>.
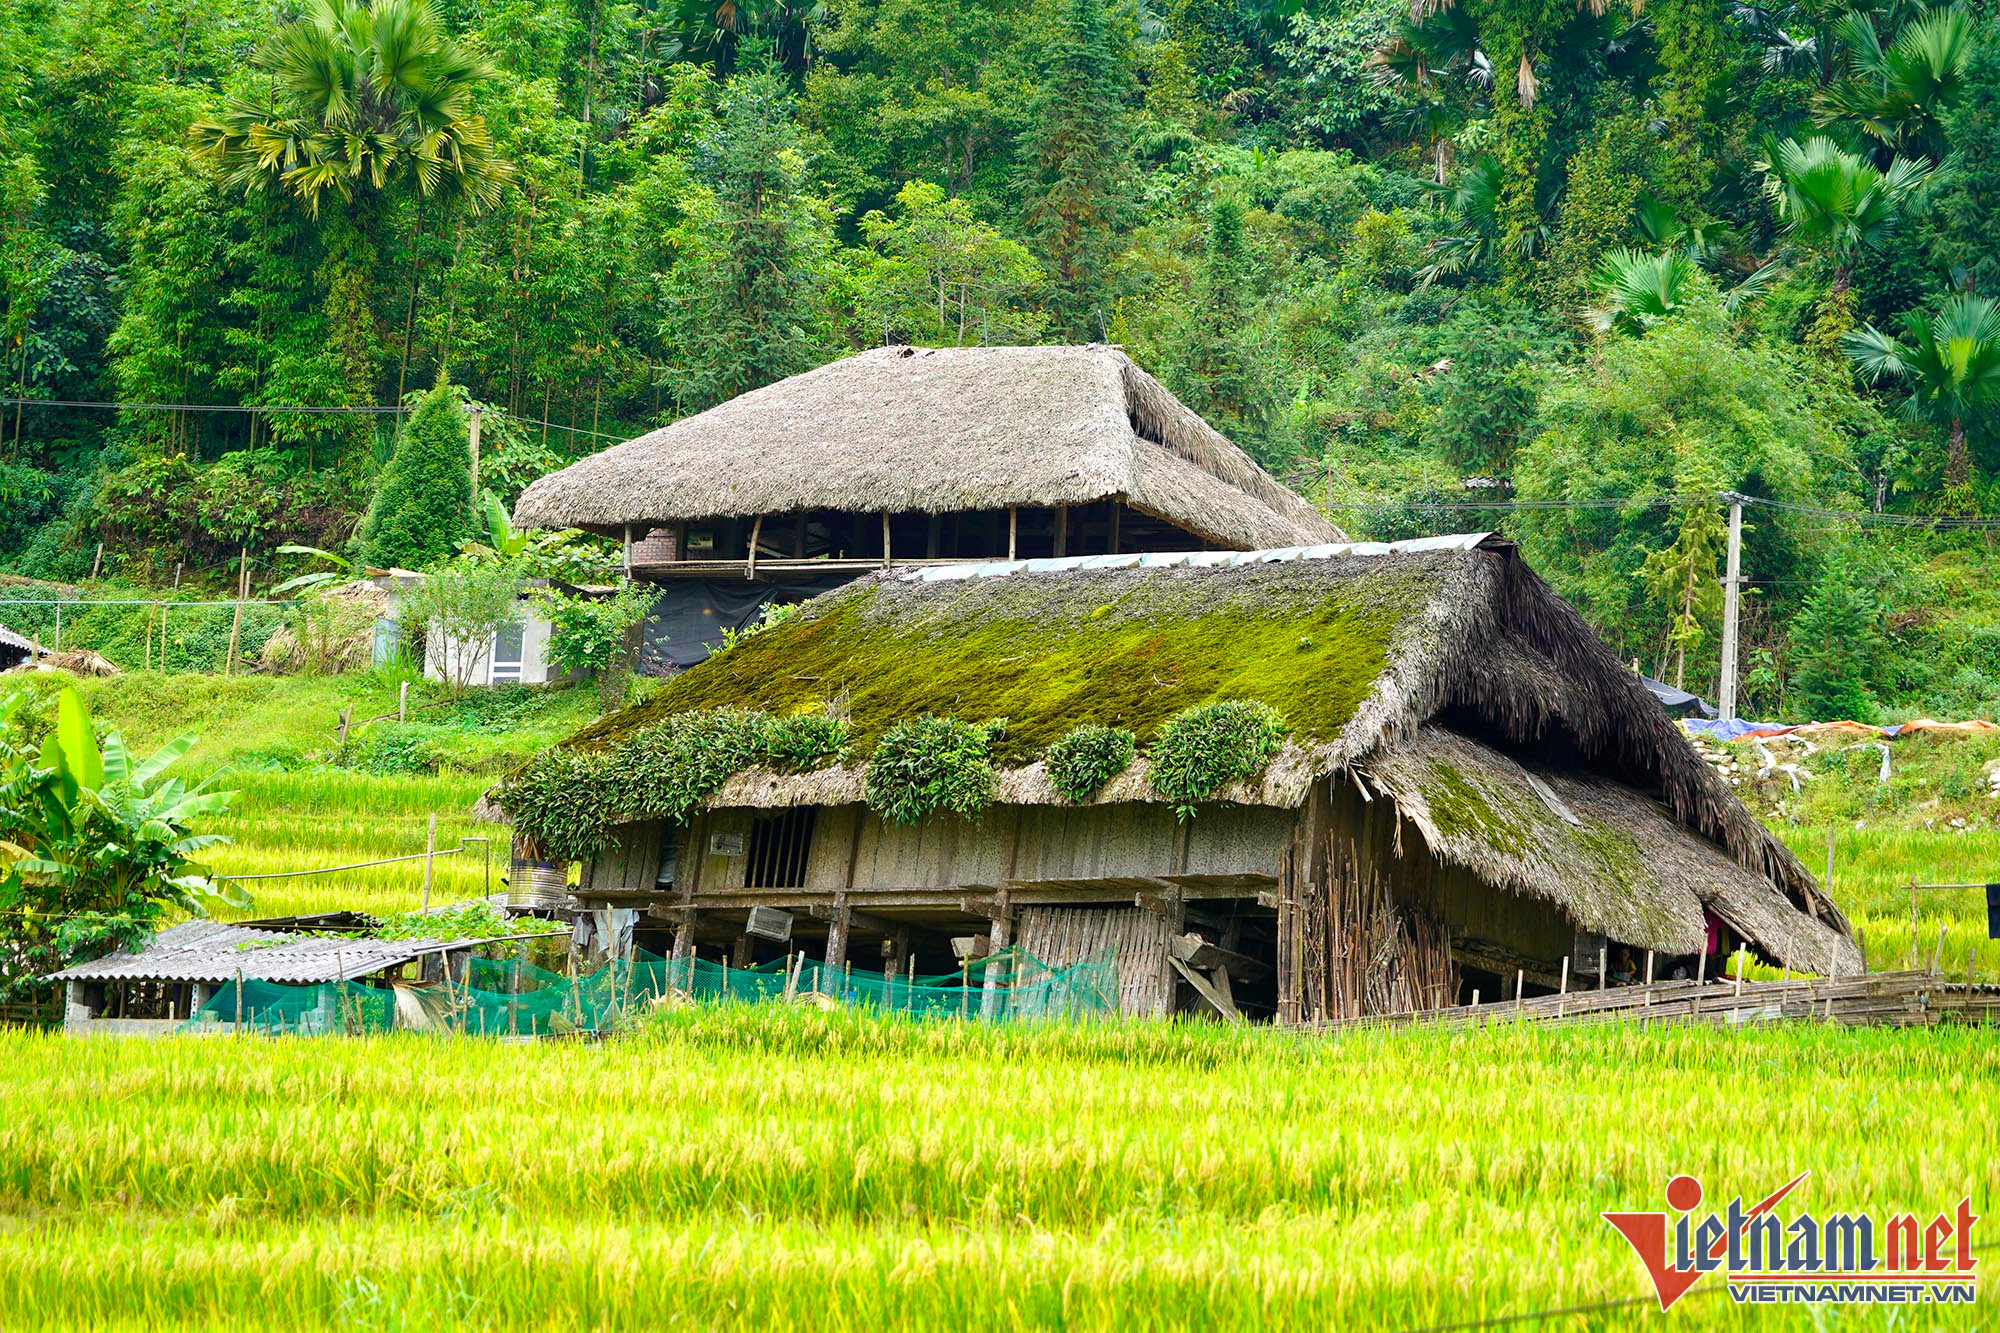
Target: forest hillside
<point>1569,271</point>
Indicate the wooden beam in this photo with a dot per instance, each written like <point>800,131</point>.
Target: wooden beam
<point>885,539</point>
<point>836,933</point>
<point>1013,531</point>
<point>1117,508</point>
<point>856,920</point>
<point>1062,530</point>
<point>1221,1003</point>
<point>1199,953</point>
<point>756,535</point>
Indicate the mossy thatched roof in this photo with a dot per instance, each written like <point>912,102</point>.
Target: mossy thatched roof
<point>937,430</point>
<point>1365,649</point>
<point>1611,857</point>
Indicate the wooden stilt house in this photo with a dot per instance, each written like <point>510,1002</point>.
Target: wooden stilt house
<point>911,456</point>
<point>1471,792</point>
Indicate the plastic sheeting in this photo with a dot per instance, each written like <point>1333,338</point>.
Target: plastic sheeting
<point>687,620</point>
<point>1736,729</point>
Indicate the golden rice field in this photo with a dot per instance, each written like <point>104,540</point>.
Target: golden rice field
<point>755,1167</point>
<point>309,820</point>
<point>1872,871</point>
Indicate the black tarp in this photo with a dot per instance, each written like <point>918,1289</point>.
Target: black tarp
<point>687,620</point>
<point>1678,703</point>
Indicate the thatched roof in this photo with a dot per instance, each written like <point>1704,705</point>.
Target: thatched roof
<point>1390,663</point>
<point>937,430</point>
<point>1605,853</point>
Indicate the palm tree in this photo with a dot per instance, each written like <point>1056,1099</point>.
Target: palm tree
<point>1897,93</point>
<point>1951,363</point>
<point>1638,290</point>
<point>1429,62</point>
<point>363,98</point>
<point>1831,200</point>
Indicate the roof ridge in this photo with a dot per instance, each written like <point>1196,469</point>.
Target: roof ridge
<point>1462,541</point>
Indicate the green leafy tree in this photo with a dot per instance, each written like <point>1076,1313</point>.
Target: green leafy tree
<point>938,274</point>
<point>422,506</point>
<point>1950,362</point>
<point>460,606</point>
<point>1075,158</point>
<point>96,846</point>
<point>595,634</point>
<point>1682,410</point>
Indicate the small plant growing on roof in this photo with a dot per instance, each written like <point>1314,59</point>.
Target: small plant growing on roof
<point>1090,756</point>
<point>561,801</point>
<point>807,741</point>
<point>669,768</point>
<point>1201,750</point>
<point>926,764</point>
<point>566,801</point>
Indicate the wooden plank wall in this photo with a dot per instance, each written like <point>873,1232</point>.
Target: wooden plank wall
<point>627,863</point>
<point>1029,843</point>
<point>853,849</point>
<point>1063,936</point>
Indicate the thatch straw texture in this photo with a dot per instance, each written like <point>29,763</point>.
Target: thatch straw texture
<point>937,430</point>
<point>1615,861</point>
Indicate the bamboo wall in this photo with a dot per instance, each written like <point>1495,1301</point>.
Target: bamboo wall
<point>1064,936</point>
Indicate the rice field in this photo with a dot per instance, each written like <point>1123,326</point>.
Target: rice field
<point>289,821</point>
<point>1872,871</point>
<point>759,1167</point>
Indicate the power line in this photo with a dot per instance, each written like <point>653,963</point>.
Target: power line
<point>243,409</point>
<point>1845,516</point>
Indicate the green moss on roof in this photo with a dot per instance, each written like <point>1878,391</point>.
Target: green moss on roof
<point>1049,653</point>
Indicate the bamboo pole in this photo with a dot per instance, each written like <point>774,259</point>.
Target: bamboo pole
<point>239,1001</point>
<point>236,622</point>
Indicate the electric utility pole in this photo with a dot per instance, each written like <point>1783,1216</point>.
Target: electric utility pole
<point>1732,605</point>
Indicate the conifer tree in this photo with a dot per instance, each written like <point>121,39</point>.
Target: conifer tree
<point>1213,371</point>
<point>424,500</point>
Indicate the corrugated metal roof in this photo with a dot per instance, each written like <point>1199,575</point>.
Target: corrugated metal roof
<point>986,569</point>
<point>10,639</point>
<point>212,951</point>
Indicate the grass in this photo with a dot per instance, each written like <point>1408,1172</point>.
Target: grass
<point>757,1166</point>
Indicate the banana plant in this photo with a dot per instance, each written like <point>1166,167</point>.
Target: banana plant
<point>86,827</point>
<point>503,540</point>
<point>343,570</point>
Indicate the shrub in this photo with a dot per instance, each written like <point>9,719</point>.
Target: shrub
<point>927,764</point>
<point>393,747</point>
<point>809,740</point>
<point>1083,761</point>
<point>1202,749</point>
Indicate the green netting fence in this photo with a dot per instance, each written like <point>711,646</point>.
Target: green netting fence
<point>512,997</point>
